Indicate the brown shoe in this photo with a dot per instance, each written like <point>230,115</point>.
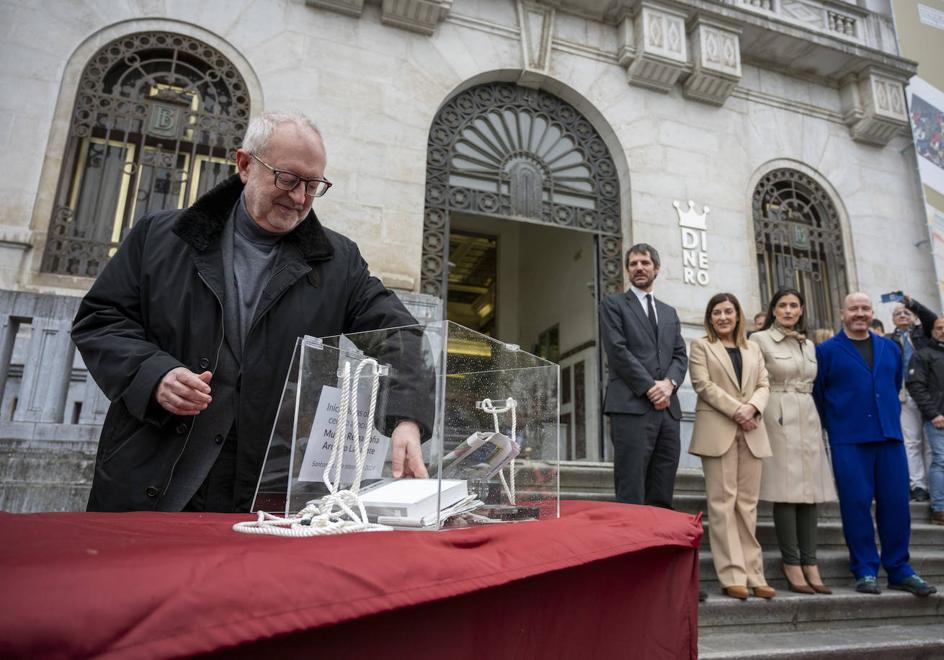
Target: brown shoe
<point>738,592</point>
<point>796,587</point>
<point>937,517</point>
<point>765,591</point>
<point>811,573</point>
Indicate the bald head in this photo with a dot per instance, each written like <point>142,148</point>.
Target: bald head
<point>857,315</point>
<point>856,296</point>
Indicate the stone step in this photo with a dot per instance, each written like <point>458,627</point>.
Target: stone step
<point>46,466</point>
<point>789,611</point>
<point>693,502</point>
<point>598,477</point>
<point>889,642</point>
<point>923,534</point>
<point>690,502</point>
<point>833,566</point>
<point>29,497</point>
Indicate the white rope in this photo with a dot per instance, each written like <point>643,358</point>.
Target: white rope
<point>495,410</point>
<point>319,517</point>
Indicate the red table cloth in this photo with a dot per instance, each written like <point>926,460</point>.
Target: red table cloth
<point>604,580</point>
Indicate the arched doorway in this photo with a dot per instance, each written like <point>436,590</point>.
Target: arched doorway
<point>156,122</point>
<point>521,234</point>
<point>799,244</point>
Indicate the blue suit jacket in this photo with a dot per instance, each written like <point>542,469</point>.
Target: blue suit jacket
<point>857,404</point>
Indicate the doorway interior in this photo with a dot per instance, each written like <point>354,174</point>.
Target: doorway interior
<point>534,285</point>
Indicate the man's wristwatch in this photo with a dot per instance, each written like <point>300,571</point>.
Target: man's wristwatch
<point>674,384</point>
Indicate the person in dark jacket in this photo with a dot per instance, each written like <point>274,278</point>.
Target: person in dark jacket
<point>913,323</point>
<point>190,328</point>
<point>916,322</point>
<point>926,385</point>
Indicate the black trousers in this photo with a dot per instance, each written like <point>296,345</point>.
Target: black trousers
<point>645,457</point>
<point>217,492</point>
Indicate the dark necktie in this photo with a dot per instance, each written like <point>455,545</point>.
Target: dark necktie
<point>652,317</point>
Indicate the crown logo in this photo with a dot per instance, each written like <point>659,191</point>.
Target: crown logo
<point>692,218</point>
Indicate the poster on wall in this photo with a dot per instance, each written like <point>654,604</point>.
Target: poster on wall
<point>926,106</point>
<point>936,227</point>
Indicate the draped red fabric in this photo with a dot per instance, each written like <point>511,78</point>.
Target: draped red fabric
<point>603,580</point>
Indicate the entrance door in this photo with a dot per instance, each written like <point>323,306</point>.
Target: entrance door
<point>534,285</point>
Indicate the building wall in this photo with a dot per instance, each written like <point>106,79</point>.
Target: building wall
<point>374,90</point>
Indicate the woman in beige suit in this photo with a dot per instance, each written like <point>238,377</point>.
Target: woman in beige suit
<point>729,375</point>
<point>798,475</point>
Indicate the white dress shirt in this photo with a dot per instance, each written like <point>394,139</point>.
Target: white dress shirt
<point>641,295</point>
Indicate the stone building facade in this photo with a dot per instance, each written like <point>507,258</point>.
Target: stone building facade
<point>499,155</point>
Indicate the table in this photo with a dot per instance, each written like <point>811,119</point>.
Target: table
<point>604,580</point>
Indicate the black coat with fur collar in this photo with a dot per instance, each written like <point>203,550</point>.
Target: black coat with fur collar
<point>157,305</point>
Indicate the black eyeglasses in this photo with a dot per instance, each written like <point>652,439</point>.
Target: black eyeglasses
<point>288,181</point>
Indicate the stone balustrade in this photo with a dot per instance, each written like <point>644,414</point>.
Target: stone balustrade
<point>832,17</point>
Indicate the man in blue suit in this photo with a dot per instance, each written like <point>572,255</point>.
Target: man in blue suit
<point>856,392</point>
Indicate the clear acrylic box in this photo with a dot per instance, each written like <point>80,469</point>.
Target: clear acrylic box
<point>445,377</point>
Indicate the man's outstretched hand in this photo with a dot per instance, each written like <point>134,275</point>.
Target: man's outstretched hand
<point>407,458</point>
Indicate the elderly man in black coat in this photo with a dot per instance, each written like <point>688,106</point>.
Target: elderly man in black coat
<point>190,328</point>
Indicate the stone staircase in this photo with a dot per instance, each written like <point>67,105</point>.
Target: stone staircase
<point>846,624</point>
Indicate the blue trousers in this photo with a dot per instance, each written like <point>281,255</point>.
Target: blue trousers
<point>936,469</point>
<point>879,471</point>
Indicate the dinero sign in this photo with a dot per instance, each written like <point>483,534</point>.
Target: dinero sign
<point>694,244</point>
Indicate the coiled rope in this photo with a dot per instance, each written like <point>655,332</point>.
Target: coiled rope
<point>319,517</point>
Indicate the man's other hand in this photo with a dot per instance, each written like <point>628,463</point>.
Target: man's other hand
<point>660,394</point>
<point>407,458</point>
<point>182,392</point>
<point>938,422</point>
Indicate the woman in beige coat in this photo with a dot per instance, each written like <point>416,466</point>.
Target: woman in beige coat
<point>798,475</point>
<point>729,376</point>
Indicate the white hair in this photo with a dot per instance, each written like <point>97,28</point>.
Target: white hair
<point>260,129</point>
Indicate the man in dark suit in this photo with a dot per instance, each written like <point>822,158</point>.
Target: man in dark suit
<point>647,363</point>
<point>856,391</point>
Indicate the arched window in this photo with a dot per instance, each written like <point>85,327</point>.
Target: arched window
<point>157,119</point>
<point>508,151</point>
<point>799,244</point>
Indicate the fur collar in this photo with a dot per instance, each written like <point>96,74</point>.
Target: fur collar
<point>202,224</point>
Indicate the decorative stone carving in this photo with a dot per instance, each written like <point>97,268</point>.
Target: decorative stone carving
<point>873,106</point>
<point>657,52</point>
<point>415,15</point>
<point>347,7</point>
<point>804,12</point>
<point>716,61</point>
<point>536,24</point>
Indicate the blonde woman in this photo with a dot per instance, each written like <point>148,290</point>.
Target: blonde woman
<point>729,375</point>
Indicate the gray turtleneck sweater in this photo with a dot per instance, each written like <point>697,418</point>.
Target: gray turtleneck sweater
<point>254,252</point>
